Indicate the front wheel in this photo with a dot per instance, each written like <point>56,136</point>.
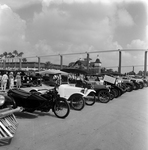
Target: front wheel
<point>77,102</point>
<point>61,108</point>
<point>104,96</point>
<point>90,99</point>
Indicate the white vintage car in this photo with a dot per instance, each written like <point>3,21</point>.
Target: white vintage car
<point>77,96</point>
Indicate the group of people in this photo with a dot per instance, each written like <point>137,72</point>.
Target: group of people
<point>10,80</point>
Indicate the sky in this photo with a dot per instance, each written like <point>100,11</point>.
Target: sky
<point>52,27</point>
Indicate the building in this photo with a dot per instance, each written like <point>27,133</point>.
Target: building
<point>29,65</point>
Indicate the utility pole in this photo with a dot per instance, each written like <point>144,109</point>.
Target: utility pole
<point>145,63</point>
<point>61,62</point>
<point>120,55</point>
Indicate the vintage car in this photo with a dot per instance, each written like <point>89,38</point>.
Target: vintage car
<point>76,96</point>
<point>117,87</point>
<point>139,79</point>
<point>81,84</point>
<point>133,83</point>
<point>103,92</point>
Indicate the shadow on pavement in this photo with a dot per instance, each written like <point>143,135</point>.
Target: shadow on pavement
<point>35,114</point>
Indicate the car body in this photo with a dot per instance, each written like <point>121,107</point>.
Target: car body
<point>66,91</point>
<point>73,94</point>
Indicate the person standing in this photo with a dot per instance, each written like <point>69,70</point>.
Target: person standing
<point>11,80</point>
<point>4,82</point>
<point>18,80</point>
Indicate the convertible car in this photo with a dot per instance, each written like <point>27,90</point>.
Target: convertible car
<point>76,96</point>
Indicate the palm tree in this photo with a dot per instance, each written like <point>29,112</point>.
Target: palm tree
<point>20,54</point>
<point>48,64</point>
<point>5,54</point>
<point>15,53</point>
<point>24,60</point>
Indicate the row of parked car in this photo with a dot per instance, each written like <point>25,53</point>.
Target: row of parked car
<point>60,97</point>
<point>73,94</point>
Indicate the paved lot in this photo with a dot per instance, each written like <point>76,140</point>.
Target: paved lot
<point>121,124</point>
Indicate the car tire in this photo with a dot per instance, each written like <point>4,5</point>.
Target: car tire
<point>77,102</point>
<point>104,96</point>
<point>90,99</point>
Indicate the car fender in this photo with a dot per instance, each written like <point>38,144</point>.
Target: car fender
<point>77,93</point>
<point>88,91</point>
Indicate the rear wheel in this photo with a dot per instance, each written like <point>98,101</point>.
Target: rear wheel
<point>136,86</point>
<point>129,88</point>
<point>90,99</point>
<point>116,92</point>
<point>61,108</point>
<point>141,85</point>
<point>104,96</point>
<point>120,92</point>
<point>77,102</point>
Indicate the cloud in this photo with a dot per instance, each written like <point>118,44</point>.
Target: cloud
<point>12,30</point>
<point>17,4</point>
<point>69,26</point>
<point>73,24</point>
<point>124,18</point>
<point>137,44</point>
<point>42,45</point>
<point>11,23</point>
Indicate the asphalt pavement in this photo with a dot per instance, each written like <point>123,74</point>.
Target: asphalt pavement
<point>121,124</point>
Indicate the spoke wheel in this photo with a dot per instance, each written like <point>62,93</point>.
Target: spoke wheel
<point>104,96</point>
<point>61,108</point>
<point>90,99</point>
<point>116,92</point>
<point>112,96</point>
<point>77,102</point>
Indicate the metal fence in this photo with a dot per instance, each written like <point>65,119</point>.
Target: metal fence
<point>113,59</point>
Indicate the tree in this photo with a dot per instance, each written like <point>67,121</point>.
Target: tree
<point>20,54</point>
<point>5,54</point>
<point>9,55</point>
<point>24,59</point>
<point>131,73</point>
<point>15,53</point>
<point>48,64</point>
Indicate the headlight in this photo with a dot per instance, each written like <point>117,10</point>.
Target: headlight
<point>2,100</point>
